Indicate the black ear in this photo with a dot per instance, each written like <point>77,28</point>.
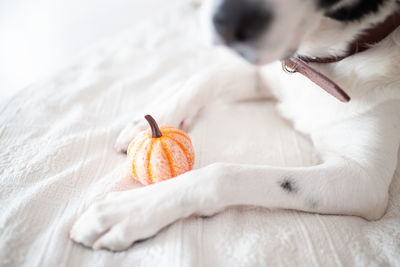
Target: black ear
<point>355,11</point>
<point>327,3</point>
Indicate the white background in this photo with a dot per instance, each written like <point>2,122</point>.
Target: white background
<point>40,37</point>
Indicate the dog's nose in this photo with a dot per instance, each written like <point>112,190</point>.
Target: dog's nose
<point>241,20</point>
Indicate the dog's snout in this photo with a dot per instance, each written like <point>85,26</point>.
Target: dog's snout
<point>241,20</point>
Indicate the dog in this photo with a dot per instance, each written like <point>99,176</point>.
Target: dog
<point>357,141</point>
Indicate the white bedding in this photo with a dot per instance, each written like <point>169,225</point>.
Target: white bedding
<point>56,157</point>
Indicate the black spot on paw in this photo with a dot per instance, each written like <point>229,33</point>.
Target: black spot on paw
<point>288,185</point>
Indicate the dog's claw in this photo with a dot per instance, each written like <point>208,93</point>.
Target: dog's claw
<point>120,149</point>
<point>127,135</point>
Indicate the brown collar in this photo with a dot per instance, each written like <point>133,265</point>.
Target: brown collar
<point>363,42</point>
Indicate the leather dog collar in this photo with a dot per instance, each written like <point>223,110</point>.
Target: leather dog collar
<point>370,37</point>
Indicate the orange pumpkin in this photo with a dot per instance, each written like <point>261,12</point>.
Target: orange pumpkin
<point>159,153</point>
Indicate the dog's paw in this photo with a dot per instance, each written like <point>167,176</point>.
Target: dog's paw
<point>128,134</point>
<point>123,218</point>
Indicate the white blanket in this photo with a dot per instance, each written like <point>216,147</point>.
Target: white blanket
<point>56,157</point>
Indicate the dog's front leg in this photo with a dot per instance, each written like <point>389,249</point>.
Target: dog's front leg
<point>228,84</point>
<point>338,186</point>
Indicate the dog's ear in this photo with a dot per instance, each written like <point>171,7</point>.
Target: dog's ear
<point>351,10</point>
<point>323,4</point>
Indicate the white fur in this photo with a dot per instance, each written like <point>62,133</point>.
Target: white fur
<point>358,143</point>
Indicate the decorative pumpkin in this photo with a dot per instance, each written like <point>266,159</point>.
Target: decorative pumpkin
<point>159,153</point>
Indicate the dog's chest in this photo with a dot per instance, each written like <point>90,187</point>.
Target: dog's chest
<point>299,99</point>
<point>310,108</point>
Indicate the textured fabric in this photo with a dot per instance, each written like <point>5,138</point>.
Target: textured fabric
<point>57,157</point>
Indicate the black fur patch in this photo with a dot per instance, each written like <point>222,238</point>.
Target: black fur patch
<point>356,11</point>
<point>288,185</point>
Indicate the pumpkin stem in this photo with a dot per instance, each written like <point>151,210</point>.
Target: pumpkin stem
<point>155,130</point>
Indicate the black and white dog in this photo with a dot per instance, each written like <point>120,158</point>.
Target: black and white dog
<point>358,141</point>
